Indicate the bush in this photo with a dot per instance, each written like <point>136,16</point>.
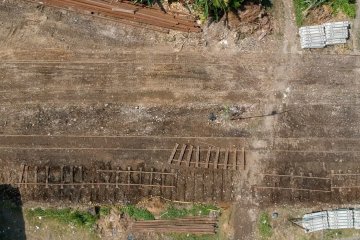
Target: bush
<point>215,8</point>
<point>137,213</point>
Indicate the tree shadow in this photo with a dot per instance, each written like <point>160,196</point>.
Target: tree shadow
<point>12,224</point>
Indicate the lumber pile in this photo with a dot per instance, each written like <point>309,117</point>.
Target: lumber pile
<point>196,225</point>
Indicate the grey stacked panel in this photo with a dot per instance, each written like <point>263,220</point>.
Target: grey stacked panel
<point>315,221</point>
<point>341,218</point>
<point>319,36</point>
<point>335,219</point>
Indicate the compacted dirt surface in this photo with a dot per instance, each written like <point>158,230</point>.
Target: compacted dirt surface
<point>80,96</point>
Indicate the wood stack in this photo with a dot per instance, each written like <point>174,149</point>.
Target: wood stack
<point>195,225</point>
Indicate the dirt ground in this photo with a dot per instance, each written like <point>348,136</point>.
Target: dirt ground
<point>78,91</point>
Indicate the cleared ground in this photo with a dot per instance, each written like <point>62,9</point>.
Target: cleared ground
<point>75,92</point>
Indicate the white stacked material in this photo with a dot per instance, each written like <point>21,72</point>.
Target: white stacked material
<point>312,37</point>
<point>334,219</point>
<point>315,221</point>
<point>341,218</point>
<point>336,32</point>
<point>357,218</point>
<point>319,36</point>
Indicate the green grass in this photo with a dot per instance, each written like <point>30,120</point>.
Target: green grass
<point>104,211</point>
<point>265,229</point>
<point>137,213</point>
<point>348,7</point>
<point>299,6</point>
<point>196,210</point>
<point>65,215</point>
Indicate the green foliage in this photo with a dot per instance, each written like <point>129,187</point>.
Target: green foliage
<point>196,210</point>
<point>104,211</point>
<point>348,7</point>
<point>65,215</point>
<point>300,6</point>
<point>137,213</point>
<point>215,8</point>
<point>264,226</point>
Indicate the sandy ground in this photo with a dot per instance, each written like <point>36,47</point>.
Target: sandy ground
<point>76,91</point>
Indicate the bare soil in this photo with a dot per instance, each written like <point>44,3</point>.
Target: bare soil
<point>76,91</point>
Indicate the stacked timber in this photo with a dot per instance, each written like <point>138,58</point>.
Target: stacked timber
<point>128,13</point>
<point>195,225</point>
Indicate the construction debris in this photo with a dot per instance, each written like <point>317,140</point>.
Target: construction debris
<point>319,36</point>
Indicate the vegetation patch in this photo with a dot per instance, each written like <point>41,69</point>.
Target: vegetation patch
<point>65,215</point>
<point>302,8</point>
<point>265,228</point>
<point>104,211</point>
<point>137,213</point>
<point>196,210</point>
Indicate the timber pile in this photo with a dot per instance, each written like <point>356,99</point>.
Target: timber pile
<point>128,13</point>
<point>196,225</point>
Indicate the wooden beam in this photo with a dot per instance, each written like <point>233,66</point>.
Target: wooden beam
<point>189,156</point>
<point>181,154</point>
<point>208,158</point>
<point>197,156</point>
<point>234,159</point>
<point>216,161</point>
<point>226,158</point>
<point>47,177</point>
<point>172,155</point>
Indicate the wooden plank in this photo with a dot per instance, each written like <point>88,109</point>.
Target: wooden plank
<point>22,173</point>
<point>216,161</point>
<point>62,177</point>
<point>208,158</point>
<point>171,158</point>
<point>151,176</point>
<point>36,172</point>
<point>182,152</point>
<point>226,158</point>
<point>47,177</point>
<point>72,175</point>
<point>26,175</point>
<point>117,178</point>
<point>234,159</point>
<point>243,158</point>
<point>81,176</point>
<point>129,177</point>
<point>140,175</point>
<point>189,156</point>
<point>197,156</point>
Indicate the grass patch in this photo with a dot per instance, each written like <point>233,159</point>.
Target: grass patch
<point>65,215</point>
<point>299,6</point>
<point>104,211</point>
<point>137,213</point>
<point>348,7</point>
<point>265,229</point>
<point>196,210</point>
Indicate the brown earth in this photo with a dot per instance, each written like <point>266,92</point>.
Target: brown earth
<point>92,93</point>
